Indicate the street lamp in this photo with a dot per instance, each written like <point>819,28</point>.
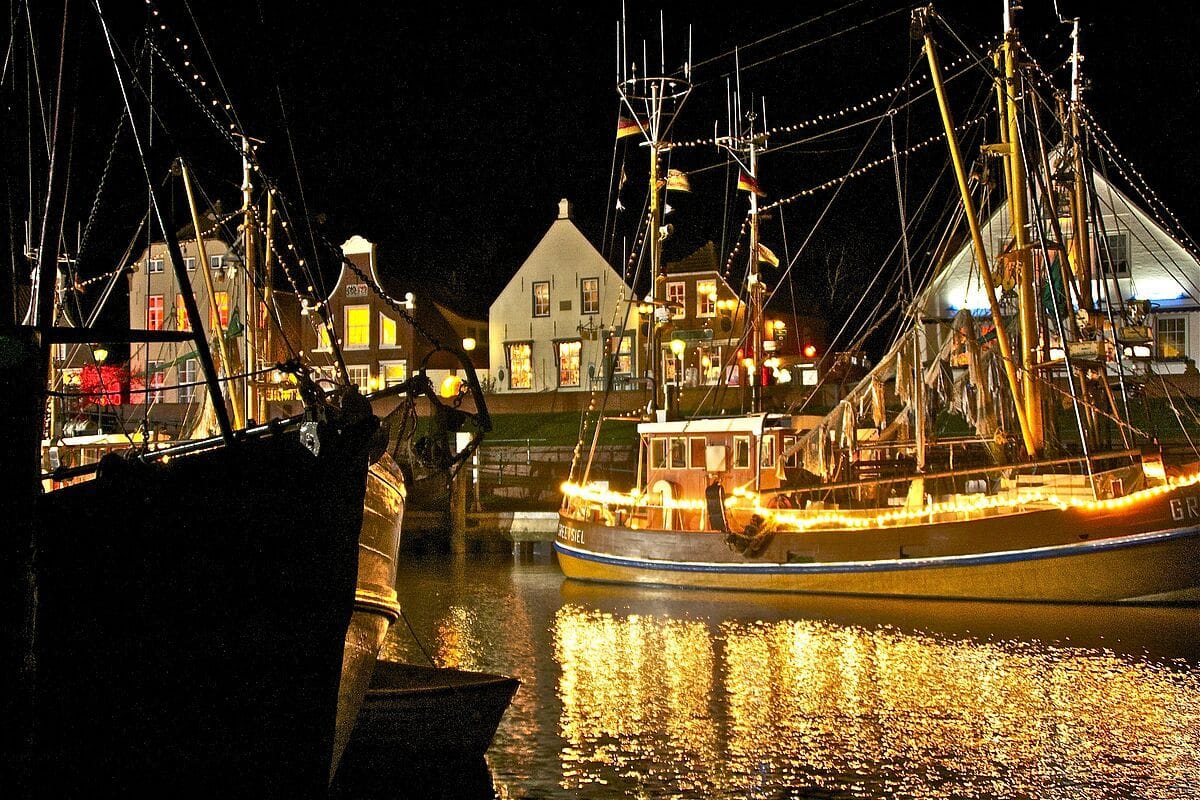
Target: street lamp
<point>677,347</point>
<point>100,353</point>
<point>468,344</point>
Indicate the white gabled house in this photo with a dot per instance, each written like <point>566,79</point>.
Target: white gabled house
<point>556,321</point>
<point>1134,259</point>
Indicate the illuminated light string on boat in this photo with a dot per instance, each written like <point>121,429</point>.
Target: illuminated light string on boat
<point>871,518</point>
<point>840,113</point>
<point>1105,143</point>
<point>834,182</point>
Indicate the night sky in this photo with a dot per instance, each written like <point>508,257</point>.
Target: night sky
<point>448,134</point>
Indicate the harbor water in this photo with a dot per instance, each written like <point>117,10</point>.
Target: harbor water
<point>658,693</point>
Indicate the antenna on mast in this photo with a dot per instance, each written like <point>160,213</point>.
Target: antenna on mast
<point>744,145</point>
<point>654,101</point>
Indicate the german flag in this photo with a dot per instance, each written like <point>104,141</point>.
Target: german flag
<point>748,183</point>
<point>677,181</point>
<point>627,127</point>
<point>765,254</point>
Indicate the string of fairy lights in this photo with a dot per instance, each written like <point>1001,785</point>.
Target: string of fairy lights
<point>841,179</point>
<point>1102,140</point>
<point>582,499</point>
<point>852,108</point>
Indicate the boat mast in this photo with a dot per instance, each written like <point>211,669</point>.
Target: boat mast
<point>1027,299</point>
<point>239,419</point>
<point>748,145</point>
<point>654,103</point>
<point>1079,220</point>
<point>251,395</point>
<point>923,18</point>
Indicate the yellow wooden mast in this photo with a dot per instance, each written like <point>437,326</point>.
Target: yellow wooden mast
<point>922,17</point>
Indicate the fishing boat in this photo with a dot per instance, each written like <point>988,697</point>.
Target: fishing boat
<point>1031,502</point>
<point>199,614</point>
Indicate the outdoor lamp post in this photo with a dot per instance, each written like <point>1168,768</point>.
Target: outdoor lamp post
<point>100,353</point>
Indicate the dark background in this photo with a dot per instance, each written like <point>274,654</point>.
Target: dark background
<point>447,133</point>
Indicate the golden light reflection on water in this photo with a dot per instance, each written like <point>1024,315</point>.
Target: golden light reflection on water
<point>674,707</point>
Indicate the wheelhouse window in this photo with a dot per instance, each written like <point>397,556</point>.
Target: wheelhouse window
<point>706,298</point>
<point>696,445</point>
<point>791,459</point>
<point>1171,333</point>
<point>358,327</point>
<point>154,312</point>
<point>520,365</point>
<point>679,452</point>
<point>767,454</point>
<point>741,452</point>
<point>589,296</point>
<point>541,298</point>
<point>677,294</point>
<point>658,453</point>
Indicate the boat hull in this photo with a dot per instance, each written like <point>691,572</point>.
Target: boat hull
<point>192,615</point>
<point>375,604</point>
<point>1144,551</point>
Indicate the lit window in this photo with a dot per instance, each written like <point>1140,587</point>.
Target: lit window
<point>589,296</point>
<point>189,374</point>
<point>156,378</point>
<point>393,372</point>
<point>741,452</point>
<point>658,453</point>
<point>768,452</point>
<point>677,294</point>
<point>623,363</point>
<point>1172,337</point>
<point>568,363</point>
<point>360,376</point>
<point>541,299</point>
<point>156,265</point>
<point>222,299</point>
<point>679,452</point>
<point>323,341</point>
<point>154,312</point>
<point>706,298</point>
<point>387,331</point>
<point>791,458</point>
<point>182,322</point>
<point>520,366</point>
<point>358,327</point>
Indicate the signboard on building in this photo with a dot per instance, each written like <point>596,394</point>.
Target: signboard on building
<point>356,290</point>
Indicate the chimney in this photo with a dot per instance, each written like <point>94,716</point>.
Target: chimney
<point>564,209</point>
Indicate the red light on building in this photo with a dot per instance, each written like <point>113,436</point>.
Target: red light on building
<point>810,351</point>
